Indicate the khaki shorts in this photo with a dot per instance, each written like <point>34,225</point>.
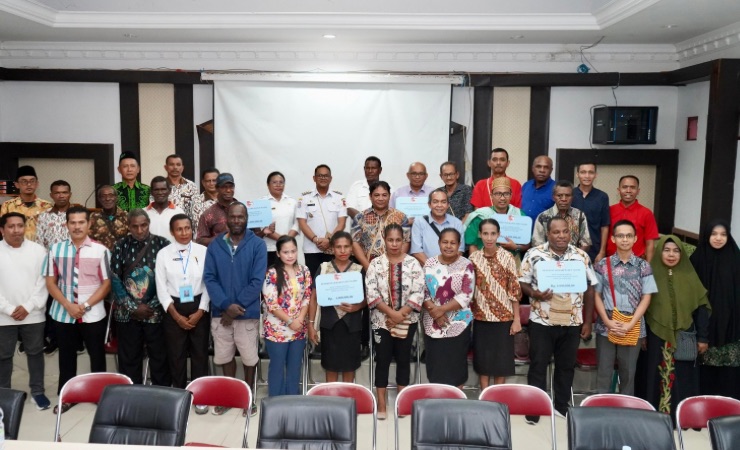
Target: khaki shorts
<point>242,335</point>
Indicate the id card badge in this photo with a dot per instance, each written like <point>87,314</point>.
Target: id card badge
<point>186,294</point>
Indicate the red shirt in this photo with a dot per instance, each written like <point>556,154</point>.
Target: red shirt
<point>644,221</point>
<point>482,193</point>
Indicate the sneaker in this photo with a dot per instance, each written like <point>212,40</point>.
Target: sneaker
<point>532,420</point>
<point>219,410</point>
<point>50,349</point>
<point>40,401</point>
<point>201,409</point>
<point>560,413</point>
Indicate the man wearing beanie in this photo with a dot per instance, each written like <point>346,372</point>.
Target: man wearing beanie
<point>26,203</point>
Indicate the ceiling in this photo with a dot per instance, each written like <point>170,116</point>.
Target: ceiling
<point>364,23</point>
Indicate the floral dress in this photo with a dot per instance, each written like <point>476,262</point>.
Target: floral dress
<point>295,295</point>
<point>446,283</point>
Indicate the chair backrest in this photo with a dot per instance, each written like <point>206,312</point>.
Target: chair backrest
<point>222,391</point>
<point>141,415</point>
<point>406,398</point>
<point>12,401</point>
<point>460,424</point>
<point>86,388</point>
<point>618,401</point>
<point>522,400</point>
<point>725,433</point>
<point>308,421</point>
<point>607,427</point>
<point>695,412</point>
<point>364,399</point>
<point>524,311</point>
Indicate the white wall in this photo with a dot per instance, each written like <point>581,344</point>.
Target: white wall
<point>693,100</point>
<point>60,112</point>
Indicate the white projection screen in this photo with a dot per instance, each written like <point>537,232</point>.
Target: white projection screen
<point>292,127</point>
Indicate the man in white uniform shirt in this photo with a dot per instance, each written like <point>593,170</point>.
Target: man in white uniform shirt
<point>358,195</point>
<point>321,213</point>
<point>22,304</point>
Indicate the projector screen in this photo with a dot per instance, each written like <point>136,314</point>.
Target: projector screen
<point>292,127</point>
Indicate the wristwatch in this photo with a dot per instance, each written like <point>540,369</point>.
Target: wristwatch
<point>87,306</point>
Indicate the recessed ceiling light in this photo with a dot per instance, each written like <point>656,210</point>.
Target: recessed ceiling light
<point>329,36</point>
<point>129,35</point>
<point>669,26</point>
<point>518,36</point>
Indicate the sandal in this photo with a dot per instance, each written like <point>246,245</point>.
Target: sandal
<point>382,415</point>
<point>65,407</point>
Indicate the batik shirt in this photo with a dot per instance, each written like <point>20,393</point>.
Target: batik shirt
<point>577,224</point>
<point>213,221</point>
<point>563,309</point>
<point>446,283</point>
<point>108,229</point>
<point>460,201</point>
<point>31,212</point>
<point>632,280</point>
<point>497,290</point>
<point>185,195</point>
<point>139,284</point>
<point>368,229</point>
<point>295,295</point>
<point>199,208</point>
<point>132,198</point>
<point>51,227</point>
<point>378,290</point>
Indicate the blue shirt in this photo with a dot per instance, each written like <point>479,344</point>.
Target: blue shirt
<point>596,207</point>
<point>535,200</point>
<point>425,240</point>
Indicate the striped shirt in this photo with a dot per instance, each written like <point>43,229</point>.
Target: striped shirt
<point>93,265</point>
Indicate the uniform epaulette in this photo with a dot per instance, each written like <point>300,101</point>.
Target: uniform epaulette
<point>337,192</point>
<point>306,193</point>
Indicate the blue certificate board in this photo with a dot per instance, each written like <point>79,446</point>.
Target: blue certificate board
<point>561,276</point>
<point>413,206</point>
<point>516,228</point>
<point>260,213</point>
<point>333,289</point>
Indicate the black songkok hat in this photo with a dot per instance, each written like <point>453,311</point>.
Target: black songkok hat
<point>128,155</point>
<point>25,171</point>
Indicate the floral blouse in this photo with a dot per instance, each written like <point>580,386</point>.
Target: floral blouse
<point>446,283</point>
<point>377,289</point>
<point>296,294</point>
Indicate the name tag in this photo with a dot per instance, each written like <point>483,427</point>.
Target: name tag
<point>186,294</point>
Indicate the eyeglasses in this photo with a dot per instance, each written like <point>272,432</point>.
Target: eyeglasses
<point>26,182</point>
<point>277,183</point>
<point>323,176</point>
<point>501,194</point>
<point>447,175</point>
<point>417,174</point>
<point>624,236</point>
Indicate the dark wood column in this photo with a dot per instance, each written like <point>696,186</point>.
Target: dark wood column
<point>482,131</point>
<point>539,123</point>
<point>720,155</point>
<point>185,128</point>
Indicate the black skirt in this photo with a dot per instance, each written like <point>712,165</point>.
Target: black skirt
<point>340,348</point>
<point>447,359</point>
<point>493,349</point>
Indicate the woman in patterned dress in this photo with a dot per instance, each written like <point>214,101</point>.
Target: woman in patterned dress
<point>495,307</point>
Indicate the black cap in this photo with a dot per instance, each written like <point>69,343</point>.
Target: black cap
<point>128,155</point>
<point>25,171</point>
<point>224,178</point>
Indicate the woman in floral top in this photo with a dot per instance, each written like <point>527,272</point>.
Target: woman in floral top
<point>450,280</point>
<point>287,292</point>
<point>395,291</point>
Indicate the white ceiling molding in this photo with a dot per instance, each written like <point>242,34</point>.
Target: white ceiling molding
<point>703,46</point>
<point>371,78</point>
<point>30,10</point>
<point>416,58</point>
<point>618,10</point>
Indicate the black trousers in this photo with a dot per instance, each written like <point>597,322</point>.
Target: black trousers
<point>68,338</point>
<point>314,260</point>
<point>133,336</point>
<point>562,342</point>
<point>387,349</point>
<point>183,343</point>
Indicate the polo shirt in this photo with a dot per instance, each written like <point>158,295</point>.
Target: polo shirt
<point>644,220</point>
<point>482,193</point>
<point>596,207</point>
<point>425,240</point>
<point>535,200</point>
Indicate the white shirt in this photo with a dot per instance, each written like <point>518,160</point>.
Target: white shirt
<point>283,214</point>
<point>169,272</point>
<point>358,196</point>
<point>22,282</point>
<point>321,213</point>
<point>159,223</point>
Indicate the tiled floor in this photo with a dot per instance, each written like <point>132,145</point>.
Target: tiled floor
<point>227,429</point>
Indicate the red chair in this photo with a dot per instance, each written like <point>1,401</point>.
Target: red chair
<point>85,388</point>
<point>221,391</point>
<point>405,399</point>
<point>524,311</point>
<point>522,400</point>
<point>364,398</point>
<point>618,401</point>
<point>695,412</point>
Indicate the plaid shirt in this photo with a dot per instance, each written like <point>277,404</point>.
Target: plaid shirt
<point>93,263</point>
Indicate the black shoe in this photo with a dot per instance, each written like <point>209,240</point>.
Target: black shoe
<point>21,349</point>
<point>532,420</point>
<point>50,349</point>
<point>365,352</point>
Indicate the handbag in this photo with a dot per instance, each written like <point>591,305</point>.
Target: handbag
<point>629,339</point>
<point>686,345</point>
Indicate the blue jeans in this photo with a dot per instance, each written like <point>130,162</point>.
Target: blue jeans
<point>284,374</point>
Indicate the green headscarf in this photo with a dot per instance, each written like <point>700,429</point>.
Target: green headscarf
<point>671,311</point>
